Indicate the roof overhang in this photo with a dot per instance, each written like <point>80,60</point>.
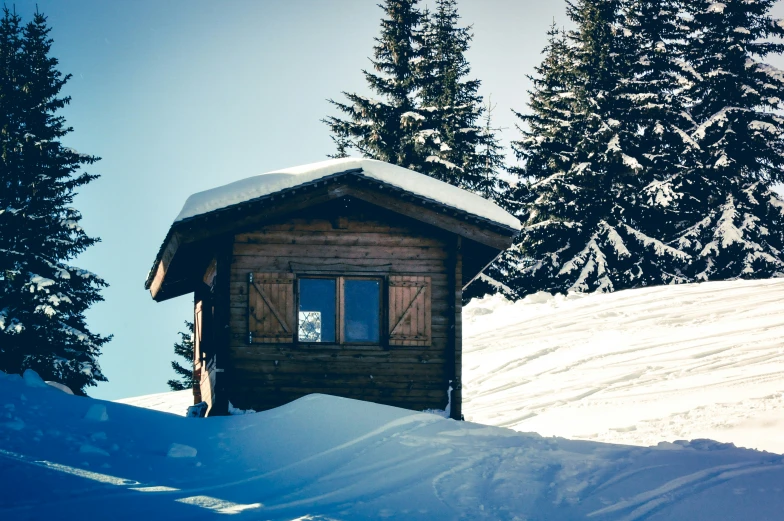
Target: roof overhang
<point>181,257</point>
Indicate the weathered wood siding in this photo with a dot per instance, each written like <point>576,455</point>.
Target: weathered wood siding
<point>342,241</point>
<point>457,387</point>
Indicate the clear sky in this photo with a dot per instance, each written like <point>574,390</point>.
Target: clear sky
<point>181,96</point>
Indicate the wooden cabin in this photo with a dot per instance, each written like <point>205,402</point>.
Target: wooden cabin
<point>342,277</point>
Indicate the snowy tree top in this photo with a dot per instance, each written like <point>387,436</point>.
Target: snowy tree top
<point>415,183</point>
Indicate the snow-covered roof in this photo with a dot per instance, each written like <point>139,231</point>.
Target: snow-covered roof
<point>402,178</point>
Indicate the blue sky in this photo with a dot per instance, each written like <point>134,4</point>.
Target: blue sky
<point>178,97</point>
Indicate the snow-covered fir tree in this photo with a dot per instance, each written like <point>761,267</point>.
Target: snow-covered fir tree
<point>734,223</point>
<point>184,350</point>
<point>548,139</point>
<point>657,81</point>
<point>384,127</point>
<point>459,145</point>
<point>587,227</point>
<point>491,162</point>
<point>427,116</point>
<point>42,298</point>
<point>545,147</point>
<point>494,278</point>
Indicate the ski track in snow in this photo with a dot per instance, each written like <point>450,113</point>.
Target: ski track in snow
<point>638,366</point>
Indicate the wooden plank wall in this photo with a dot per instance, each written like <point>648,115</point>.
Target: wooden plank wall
<point>268,375</point>
<point>457,394</point>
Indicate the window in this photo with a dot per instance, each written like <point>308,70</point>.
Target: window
<point>339,310</point>
<point>284,308</point>
<point>316,310</point>
<point>361,310</point>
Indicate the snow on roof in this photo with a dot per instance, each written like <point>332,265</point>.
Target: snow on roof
<point>402,178</point>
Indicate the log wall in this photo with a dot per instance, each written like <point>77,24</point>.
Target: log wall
<point>342,240</point>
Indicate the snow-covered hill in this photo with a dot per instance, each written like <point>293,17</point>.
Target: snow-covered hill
<point>326,458</point>
<point>638,366</point>
<point>634,367</point>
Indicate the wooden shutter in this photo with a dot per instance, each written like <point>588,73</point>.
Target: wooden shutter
<point>409,310</point>
<point>271,308</point>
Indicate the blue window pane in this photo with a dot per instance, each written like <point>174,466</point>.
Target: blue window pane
<point>316,310</point>
<point>361,301</point>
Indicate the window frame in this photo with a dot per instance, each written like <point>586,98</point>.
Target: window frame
<point>340,309</point>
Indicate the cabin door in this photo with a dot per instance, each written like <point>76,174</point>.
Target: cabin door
<point>203,354</point>
<point>198,334</point>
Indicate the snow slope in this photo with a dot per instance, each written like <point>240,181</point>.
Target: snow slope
<point>634,367</point>
<point>173,402</point>
<point>326,458</point>
<point>637,366</point>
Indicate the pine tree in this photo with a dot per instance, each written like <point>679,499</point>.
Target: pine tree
<point>548,139</point>
<point>547,148</point>
<point>586,227</point>
<point>184,349</point>
<point>457,147</point>
<point>495,278</point>
<point>734,222</point>
<point>428,116</point>
<point>657,81</point>
<point>490,162</point>
<point>548,151</point>
<point>384,128</point>
<point>42,298</point>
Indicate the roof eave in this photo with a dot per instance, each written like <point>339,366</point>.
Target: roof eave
<point>495,226</point>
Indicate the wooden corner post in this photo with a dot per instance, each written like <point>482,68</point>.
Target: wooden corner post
<point>454,354</point>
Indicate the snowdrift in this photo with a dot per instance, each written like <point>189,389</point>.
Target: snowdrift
<point>638,366</point>
<point>174,402</point>
<point>322,457</point>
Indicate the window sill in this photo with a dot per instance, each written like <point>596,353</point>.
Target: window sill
<point>336,346</point>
